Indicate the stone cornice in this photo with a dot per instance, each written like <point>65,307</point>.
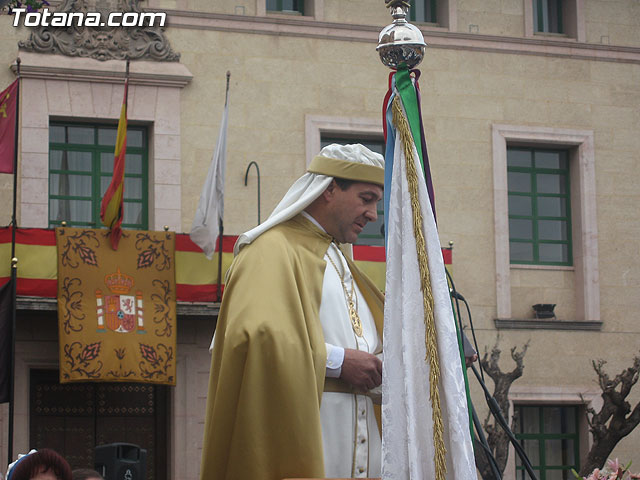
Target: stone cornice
<point>142,72</point>
<point>436,37</point>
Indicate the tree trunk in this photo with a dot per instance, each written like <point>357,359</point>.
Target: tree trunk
<point>598,455</point>
<point>615,420</point>
<point>496,437</point>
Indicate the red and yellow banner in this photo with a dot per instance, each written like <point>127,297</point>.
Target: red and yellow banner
<point>196,277</point>
<point>8,113</point>
<point>116,309</point>
<point>372,261</point>
<point>37,267</point>
<point>112,206</point>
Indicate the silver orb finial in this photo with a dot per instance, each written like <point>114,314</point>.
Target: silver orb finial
<point>401,43</point>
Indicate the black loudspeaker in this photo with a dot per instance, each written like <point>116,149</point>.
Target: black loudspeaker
<point>121,461</point>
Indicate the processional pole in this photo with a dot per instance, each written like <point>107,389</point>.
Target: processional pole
<point>442,424</point>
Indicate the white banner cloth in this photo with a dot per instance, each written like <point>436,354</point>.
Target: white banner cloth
<point>407,426</point>
<point>210,212</point>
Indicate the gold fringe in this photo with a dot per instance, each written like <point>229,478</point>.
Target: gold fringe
<point>402,126</point>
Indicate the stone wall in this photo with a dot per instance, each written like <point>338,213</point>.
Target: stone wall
<point>286,71</point>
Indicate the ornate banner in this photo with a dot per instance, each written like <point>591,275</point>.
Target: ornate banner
<point>116,309</point>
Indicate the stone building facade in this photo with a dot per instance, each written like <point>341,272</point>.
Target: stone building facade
<point>501,80</point>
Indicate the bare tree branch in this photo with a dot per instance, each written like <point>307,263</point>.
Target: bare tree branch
<point>496,437</point>
<point>615,420</point>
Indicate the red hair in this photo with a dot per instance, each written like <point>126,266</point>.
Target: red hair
<point>44,460</point>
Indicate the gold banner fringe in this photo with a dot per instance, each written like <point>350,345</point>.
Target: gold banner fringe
<point>402,126</point>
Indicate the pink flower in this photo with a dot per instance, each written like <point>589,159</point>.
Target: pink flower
<point>613,465</point>
<point>613,471</point>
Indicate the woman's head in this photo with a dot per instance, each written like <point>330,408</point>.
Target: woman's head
<point>43,464</point>
<point>86,474</point>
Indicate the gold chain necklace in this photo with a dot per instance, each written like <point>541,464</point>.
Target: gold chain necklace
<point>351,298</point>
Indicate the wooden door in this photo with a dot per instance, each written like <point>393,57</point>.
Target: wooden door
<point>73,418</point>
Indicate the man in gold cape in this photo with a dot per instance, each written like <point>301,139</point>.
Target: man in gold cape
<point>291,291</point>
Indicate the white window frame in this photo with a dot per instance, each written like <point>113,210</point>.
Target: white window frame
<point>83,89</point>
<point>583,213</point>
<point>317,125</point>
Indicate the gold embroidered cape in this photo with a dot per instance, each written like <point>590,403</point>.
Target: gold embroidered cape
<point>269,359</point>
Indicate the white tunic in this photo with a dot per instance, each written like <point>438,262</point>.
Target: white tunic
<point>351,439</point>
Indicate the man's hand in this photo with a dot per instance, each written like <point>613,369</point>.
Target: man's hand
<point>469,360</point>
<point>361,369</point>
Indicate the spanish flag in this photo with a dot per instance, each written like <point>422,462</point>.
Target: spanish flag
<point>8,114</point>
<point>111,209</point>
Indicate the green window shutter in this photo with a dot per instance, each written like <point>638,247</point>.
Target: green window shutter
<point>547,16</point>
<point>80,169</point>
<point>549,436</point>
<point>539,206</point>
<point>286,6</point>
<point>423,11</point>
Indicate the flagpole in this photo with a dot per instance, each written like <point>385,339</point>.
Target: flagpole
<point>126,80</point>
<point>218,293</point>
<point>14,269</point>
<point>14,223</point>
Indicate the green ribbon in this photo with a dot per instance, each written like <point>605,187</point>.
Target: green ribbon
<point>409,97</point>
<point>464,370</point>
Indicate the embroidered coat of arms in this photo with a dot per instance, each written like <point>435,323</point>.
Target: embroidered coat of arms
<point>116,309</point>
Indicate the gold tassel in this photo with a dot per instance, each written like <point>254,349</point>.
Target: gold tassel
<point>402,126</point>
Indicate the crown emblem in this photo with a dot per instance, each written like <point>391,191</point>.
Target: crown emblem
<point>119,283</point>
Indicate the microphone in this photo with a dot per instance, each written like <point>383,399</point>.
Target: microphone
<point>457,295</point>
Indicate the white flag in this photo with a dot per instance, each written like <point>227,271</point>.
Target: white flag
<point>407,422</point>
<point>206,222</point>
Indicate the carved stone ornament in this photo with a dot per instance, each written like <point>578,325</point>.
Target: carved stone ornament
<point>102,42</point>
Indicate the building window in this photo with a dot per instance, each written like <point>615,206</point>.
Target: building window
<point>423,11</point>
<point>286,6</point>
<point>373,232</point>
<point>549,436</point>
<point>539,206</point>
<point>80,170</point>
<point>564,18</point>
<point>547,16</point>
<point>579,145</point>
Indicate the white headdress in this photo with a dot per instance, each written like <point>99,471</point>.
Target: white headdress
<point>20,457</point>
<point>352,162</point>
